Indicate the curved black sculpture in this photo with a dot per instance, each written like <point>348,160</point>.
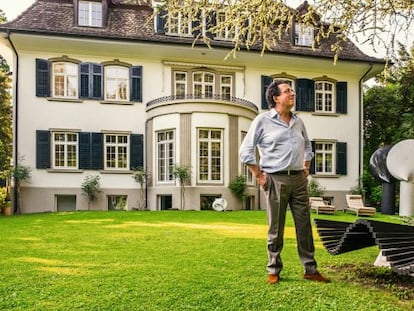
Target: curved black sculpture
<point>396,242</point>
<point>378,168</point>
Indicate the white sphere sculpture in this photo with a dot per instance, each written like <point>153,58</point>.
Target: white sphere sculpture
<point>219,204</point>
<point>400,163</point>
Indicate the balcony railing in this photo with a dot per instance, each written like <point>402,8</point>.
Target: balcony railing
<point>215,97</point>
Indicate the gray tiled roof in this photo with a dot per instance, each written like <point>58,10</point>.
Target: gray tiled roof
<point>130,22</point>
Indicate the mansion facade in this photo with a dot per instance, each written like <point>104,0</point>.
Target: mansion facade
<point>100,91</point>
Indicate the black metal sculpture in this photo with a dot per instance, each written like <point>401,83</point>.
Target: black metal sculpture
<point>378,168</point>
<point>396,242</point>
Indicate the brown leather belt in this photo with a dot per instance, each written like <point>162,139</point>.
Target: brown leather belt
<point>289,172</point>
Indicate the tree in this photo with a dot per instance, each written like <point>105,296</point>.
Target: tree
<point>20,173</point>
<point>5,122</point>
<point>238,187</point>
<point>91,188</point>
<point>388,114</point>
<point>263,22</point>
<point>141,176</point>
<point>183,174</point>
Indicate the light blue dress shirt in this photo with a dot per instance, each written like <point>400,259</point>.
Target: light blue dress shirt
<point>281,146</point>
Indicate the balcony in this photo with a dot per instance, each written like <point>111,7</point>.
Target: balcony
<point>190,102</point>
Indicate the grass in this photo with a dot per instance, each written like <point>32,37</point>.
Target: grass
<point>175,260</point>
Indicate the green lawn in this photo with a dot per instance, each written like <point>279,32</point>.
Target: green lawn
<point>173,260</point>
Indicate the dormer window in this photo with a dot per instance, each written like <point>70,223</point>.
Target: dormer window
<point>304,35</point>
<point>179,24</point>
<point>90,13</point>
<point>226,33</point>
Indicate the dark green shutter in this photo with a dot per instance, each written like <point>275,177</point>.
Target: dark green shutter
<point>84,150</point>
<point>97,81</point>
<point>161,21</point>
<point>313,162</point>
<point>341,167</point>
<point>42,149</point>
<point>341,97</point>
<point>211,21</point>
<point>42,78</point>
<point>305,95</point>
<point>84,80</point>
<point>136,151</point>
<point>90,81</point>
<point>266,80</point>
<point>195,24</point>
<point>136,83</point>
<point>97,151</point>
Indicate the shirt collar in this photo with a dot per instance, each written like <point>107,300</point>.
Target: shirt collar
<point>275,114</point>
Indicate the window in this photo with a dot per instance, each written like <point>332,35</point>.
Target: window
<point>117,202</point>
<point>203,84</point>
<point>91,150</point>
<point>116,83</point>
<point>304,35</point>
<point>90,14</point>
<point>324,95</point>
<point>65,80</point>
<point>179,24</point>
<point>210,145</point>
<point>116,151</point>
<point>180,85</point>
<point>325,158</point>
<point>248,175</point>
<point>65,150</point>
<point>226,86</point>
<point>165,155</point>
<point>226,33</point>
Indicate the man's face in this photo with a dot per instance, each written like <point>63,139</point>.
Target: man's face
<point>286,99</point>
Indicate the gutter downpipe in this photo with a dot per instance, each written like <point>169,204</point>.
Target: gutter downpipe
<point>361,121</point>
<point>16,120</point>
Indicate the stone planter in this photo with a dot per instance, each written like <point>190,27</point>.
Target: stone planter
<point>7,209</point>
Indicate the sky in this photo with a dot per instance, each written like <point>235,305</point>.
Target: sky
<point>12,8</point>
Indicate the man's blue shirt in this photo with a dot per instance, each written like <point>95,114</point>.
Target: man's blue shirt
<point>281,146</point>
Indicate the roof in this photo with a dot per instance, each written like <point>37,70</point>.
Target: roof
<point>128,21</point>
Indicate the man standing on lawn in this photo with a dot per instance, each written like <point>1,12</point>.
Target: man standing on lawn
<point>285,155</point>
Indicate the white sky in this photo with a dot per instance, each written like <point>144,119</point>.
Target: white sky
<point>12,8</point>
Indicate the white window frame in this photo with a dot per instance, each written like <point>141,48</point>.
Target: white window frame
<point>182,83</point>
<point>117,83</point>
<point>223,86</point>
<point>115,148</point>
<point>90,13</point>
<point>65,80</point>
<point>304,35</point>
<point>324,98</point>
<point>203,84</point>
<point>165,155</point>
<point>325,157</point>
<point>179,25</point>
<point>226,34</point>
<point>209,165</point>
<point>63,149</point>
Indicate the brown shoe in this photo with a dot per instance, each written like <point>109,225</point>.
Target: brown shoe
<point>273,279</point>
<point>316,277</point>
